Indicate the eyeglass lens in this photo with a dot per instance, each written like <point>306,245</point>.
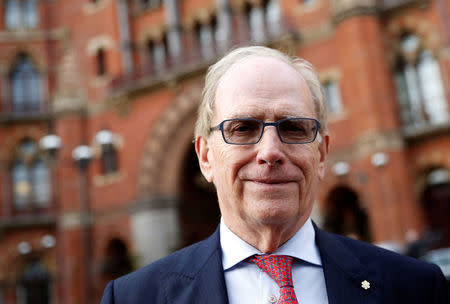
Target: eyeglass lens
<point>249,131</point>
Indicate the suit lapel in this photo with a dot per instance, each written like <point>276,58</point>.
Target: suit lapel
<point>199,277</point>
<point>344,273</point>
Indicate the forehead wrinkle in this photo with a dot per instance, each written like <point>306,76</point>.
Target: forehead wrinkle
<point>251,83</point>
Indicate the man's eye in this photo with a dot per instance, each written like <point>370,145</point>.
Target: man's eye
<point>244,127</point>
<point>292,127</point>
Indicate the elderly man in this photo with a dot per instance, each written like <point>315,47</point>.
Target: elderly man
<point>261,138</point>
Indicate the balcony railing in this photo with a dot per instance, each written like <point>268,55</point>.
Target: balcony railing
<point>10,110</point>
<point>196,56</point>
<point>426,117</point>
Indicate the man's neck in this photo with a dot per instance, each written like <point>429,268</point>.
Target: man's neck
<point>266,238</point>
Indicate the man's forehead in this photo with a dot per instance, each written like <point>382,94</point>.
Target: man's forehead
<point>262,84</point>
<point>254,68</point>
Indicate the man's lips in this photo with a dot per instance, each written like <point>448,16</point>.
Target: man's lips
<point>271,181</point>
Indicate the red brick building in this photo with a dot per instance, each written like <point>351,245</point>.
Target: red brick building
<point>134,69</point>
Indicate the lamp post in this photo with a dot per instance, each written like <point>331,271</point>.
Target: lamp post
<point>82,156</point>
<point>51,145</point>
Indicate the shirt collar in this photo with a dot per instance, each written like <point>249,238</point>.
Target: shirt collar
<point>301,246</point>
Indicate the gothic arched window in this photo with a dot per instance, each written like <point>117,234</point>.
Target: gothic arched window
<point>26,86</point>
<point>420,89</point>
<point>30,176</point>
<point>157,54</point>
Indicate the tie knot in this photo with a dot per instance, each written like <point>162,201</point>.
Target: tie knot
<point>278,267</point>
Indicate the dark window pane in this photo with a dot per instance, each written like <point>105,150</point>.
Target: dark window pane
<point>30,13</point>
<point>109,160</point>
<point>26,86</point>
<point>12,14</point>
<point>40,179</point>
<point>35,284</point>
<point>21,185</point>
<point>101,62</point>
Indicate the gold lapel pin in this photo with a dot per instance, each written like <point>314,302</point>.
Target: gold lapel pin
<point>365,284</point>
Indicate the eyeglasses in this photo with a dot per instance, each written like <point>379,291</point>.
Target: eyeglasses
<point>249,131</point>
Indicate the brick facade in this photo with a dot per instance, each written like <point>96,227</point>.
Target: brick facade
<point>136,68</point>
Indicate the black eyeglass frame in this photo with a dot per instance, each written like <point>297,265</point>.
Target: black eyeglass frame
<point>264,125</point>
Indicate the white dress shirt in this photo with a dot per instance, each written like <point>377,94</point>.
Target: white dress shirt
<point>247,283</point>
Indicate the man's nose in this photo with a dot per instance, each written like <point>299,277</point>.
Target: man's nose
<point>270,148</point>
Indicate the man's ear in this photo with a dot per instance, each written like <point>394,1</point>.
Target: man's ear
<point>204,157</point>
<point>324,141</point>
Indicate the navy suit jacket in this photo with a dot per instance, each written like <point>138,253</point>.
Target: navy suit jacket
<point>195,275</point>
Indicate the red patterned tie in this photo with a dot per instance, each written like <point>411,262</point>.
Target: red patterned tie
<point>279,268</point>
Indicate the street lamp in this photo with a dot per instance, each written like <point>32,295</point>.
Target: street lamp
<point>105,139</point>
<point>82,155</point>
<point>51,145</point>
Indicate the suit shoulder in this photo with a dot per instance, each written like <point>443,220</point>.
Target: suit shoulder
<point>168,264</point>
<point>368,253</point>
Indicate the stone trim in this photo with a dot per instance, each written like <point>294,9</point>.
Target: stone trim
<point>305,8</point>
<point>154,33</point>
<point>153,202</point>
<point>90,8</point>
<point>152,162</point>
<point>343,9</point>
<point>368,144</point>
<point>423,29</point>
<point>98,42</point>
<point>203,15</point>
<point>317,33</point>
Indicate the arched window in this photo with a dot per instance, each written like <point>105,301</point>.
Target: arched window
<point>205,37</point>
<point>109,159</point>
<point>101,62</point>
<point>30,13</point>
<point>420,89</point>
<point>26,86</point>
<point>21,14</point>
<point>12,14</point>
<point>30,178</point>
<point>157,54</point>
<point>332,96</point>
<point>273,16</point>
<point>436,203</point>
<point>34,285</point>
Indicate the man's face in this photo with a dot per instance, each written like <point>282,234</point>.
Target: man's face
<point>269,183</point>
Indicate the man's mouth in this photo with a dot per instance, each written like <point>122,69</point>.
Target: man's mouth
<point>271,181</point>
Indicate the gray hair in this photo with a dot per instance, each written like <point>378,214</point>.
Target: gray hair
<point>217,70</point>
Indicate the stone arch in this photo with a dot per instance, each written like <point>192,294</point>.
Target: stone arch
<point>435,202</point>
<point>425,164</point>
<point>9,145</point>
<point>36,56</point>
<point>100,42</point>
<point>170,138</point>
<point>427,33</point>
<point>344,213</point>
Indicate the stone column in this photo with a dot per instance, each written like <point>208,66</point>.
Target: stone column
<point>124,37</point>
<point>154,228</point>
<point>273,18</point>
<point>369,95</point>
<point>224,25</point>
<point>174,29</point>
